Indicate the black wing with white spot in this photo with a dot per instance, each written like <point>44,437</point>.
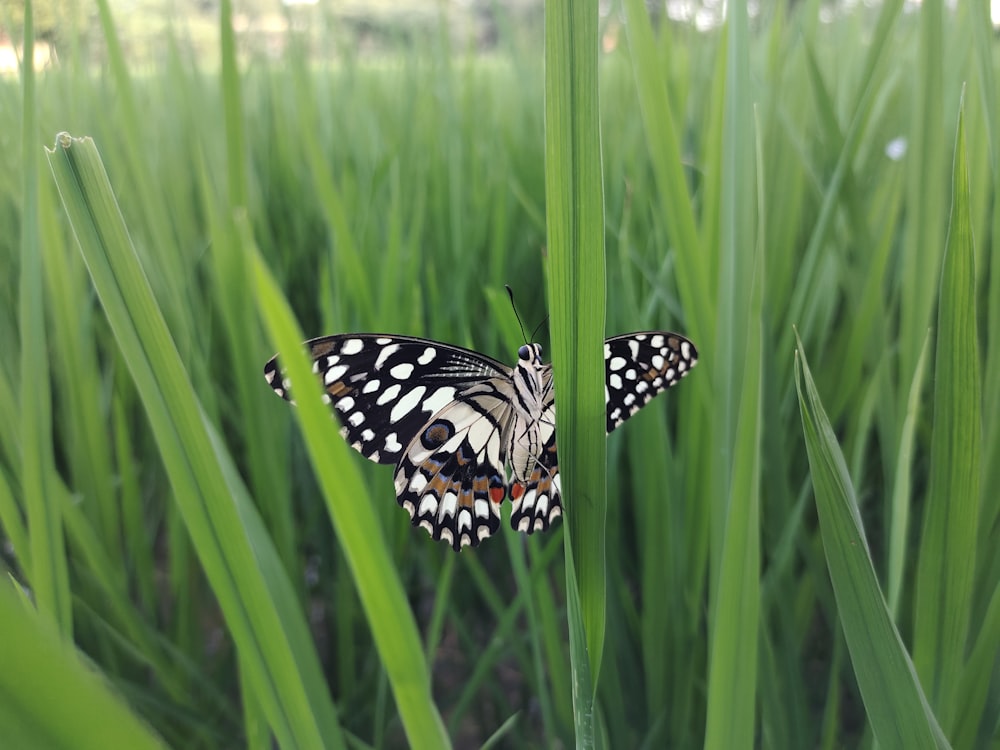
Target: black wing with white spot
<point>384,389</point>
<point>641,365</point>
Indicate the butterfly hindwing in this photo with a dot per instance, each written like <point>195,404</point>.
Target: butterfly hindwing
<point>638,366</point>
<point>384,389</point>
<point>451,479</point>
<point>537,503</point>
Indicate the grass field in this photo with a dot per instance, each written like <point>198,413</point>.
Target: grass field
<point>801,543</point>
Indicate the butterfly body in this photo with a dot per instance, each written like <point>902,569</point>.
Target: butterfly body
<point>452,420</point>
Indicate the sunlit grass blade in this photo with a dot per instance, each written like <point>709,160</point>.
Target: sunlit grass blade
<point>575,227</point>
<point>238,558</point>
<point>946,569</point>
<point>894,701</point>
<point>50,697</point>
<point>358,529</point>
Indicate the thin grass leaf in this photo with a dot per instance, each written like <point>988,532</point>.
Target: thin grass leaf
<point>49,575</point>
<point>358,529</point>
<point>575,230</point>
<point>897,709</point>
<point>238,560</point>
<point>946,569</point>
<point>732,684</point>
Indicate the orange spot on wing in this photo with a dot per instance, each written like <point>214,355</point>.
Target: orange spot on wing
<point>496,494</point>
<point>516,490</point>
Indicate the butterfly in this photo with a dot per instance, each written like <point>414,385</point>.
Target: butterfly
<point>452,420</point>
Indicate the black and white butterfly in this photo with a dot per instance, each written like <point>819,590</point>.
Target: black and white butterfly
<point>452,420</point>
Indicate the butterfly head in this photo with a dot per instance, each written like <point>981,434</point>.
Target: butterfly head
<point>530,354</point>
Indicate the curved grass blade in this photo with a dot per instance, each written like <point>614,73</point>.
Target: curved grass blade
<point>237,556</point>
<point>899,713</point>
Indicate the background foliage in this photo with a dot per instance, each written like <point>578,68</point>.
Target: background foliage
<point>799,168</point>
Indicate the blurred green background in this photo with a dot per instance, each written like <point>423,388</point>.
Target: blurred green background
<point>387,162</point>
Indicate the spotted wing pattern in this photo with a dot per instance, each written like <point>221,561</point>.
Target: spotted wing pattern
<point>638,366</point>
<point>384,389</point>
<point>453,420</point>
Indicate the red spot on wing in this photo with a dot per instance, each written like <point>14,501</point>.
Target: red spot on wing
<point>516,490</point>
<point>496,494</point>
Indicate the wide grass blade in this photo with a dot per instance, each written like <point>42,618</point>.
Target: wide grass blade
<point>49,696</point>
<point>575,227</point>
<point>358,529</point>
<point>946,569</point>
<point>235,552</point>
<point>897,709</point>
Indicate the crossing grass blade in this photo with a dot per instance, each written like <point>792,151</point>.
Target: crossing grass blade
<point>358,529</point>
<point>234,549</point>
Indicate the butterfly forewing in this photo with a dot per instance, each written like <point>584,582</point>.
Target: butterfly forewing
<point>638,366</point>
<point>453,421</point>
<point>385,388</point>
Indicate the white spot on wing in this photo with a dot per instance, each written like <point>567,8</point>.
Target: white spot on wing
<point>344,404</point>
<point>405,405</point>
<point>428,355</point>
<point>389,394</point>
<point>402,371</point>
<point>334,374</point>
<point>352,346</point>
<point>656,342</point>
<point>383,355</point>
<point>392,444</point>
<point>616,363</point>
<point>438,399</point>
<point>428,505</point>
<point>615,380</point>
<point>371,386</point>
<point>449,503</point>
<point>356,418</point>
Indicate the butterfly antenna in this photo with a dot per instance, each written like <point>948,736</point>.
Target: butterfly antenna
<point>544,320</point>
<point>510,293</point>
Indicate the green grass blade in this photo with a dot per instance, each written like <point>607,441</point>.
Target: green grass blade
<point>946,569</point>
<point>48,575</point>
<point>897,709</point>
<point>358,529</point>
<point>575,227</point>
<point>239,562</point>
<point>732,683</point>
<point>49,696</point>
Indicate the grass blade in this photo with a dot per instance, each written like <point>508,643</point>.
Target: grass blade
<point>49,697</point>
<point>242,567</point>
<point>49,574</point>
<point>358,529</point>
<point>897,709</point>
<point>946,570</point>
<point>575,226</point>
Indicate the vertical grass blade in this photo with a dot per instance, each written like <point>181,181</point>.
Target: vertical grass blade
<point>235,552</point>
<point>575,228</point>
<point>732,679</point>
<point>897,709</point>
<point>946,569</point>
<point>49,575</point>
